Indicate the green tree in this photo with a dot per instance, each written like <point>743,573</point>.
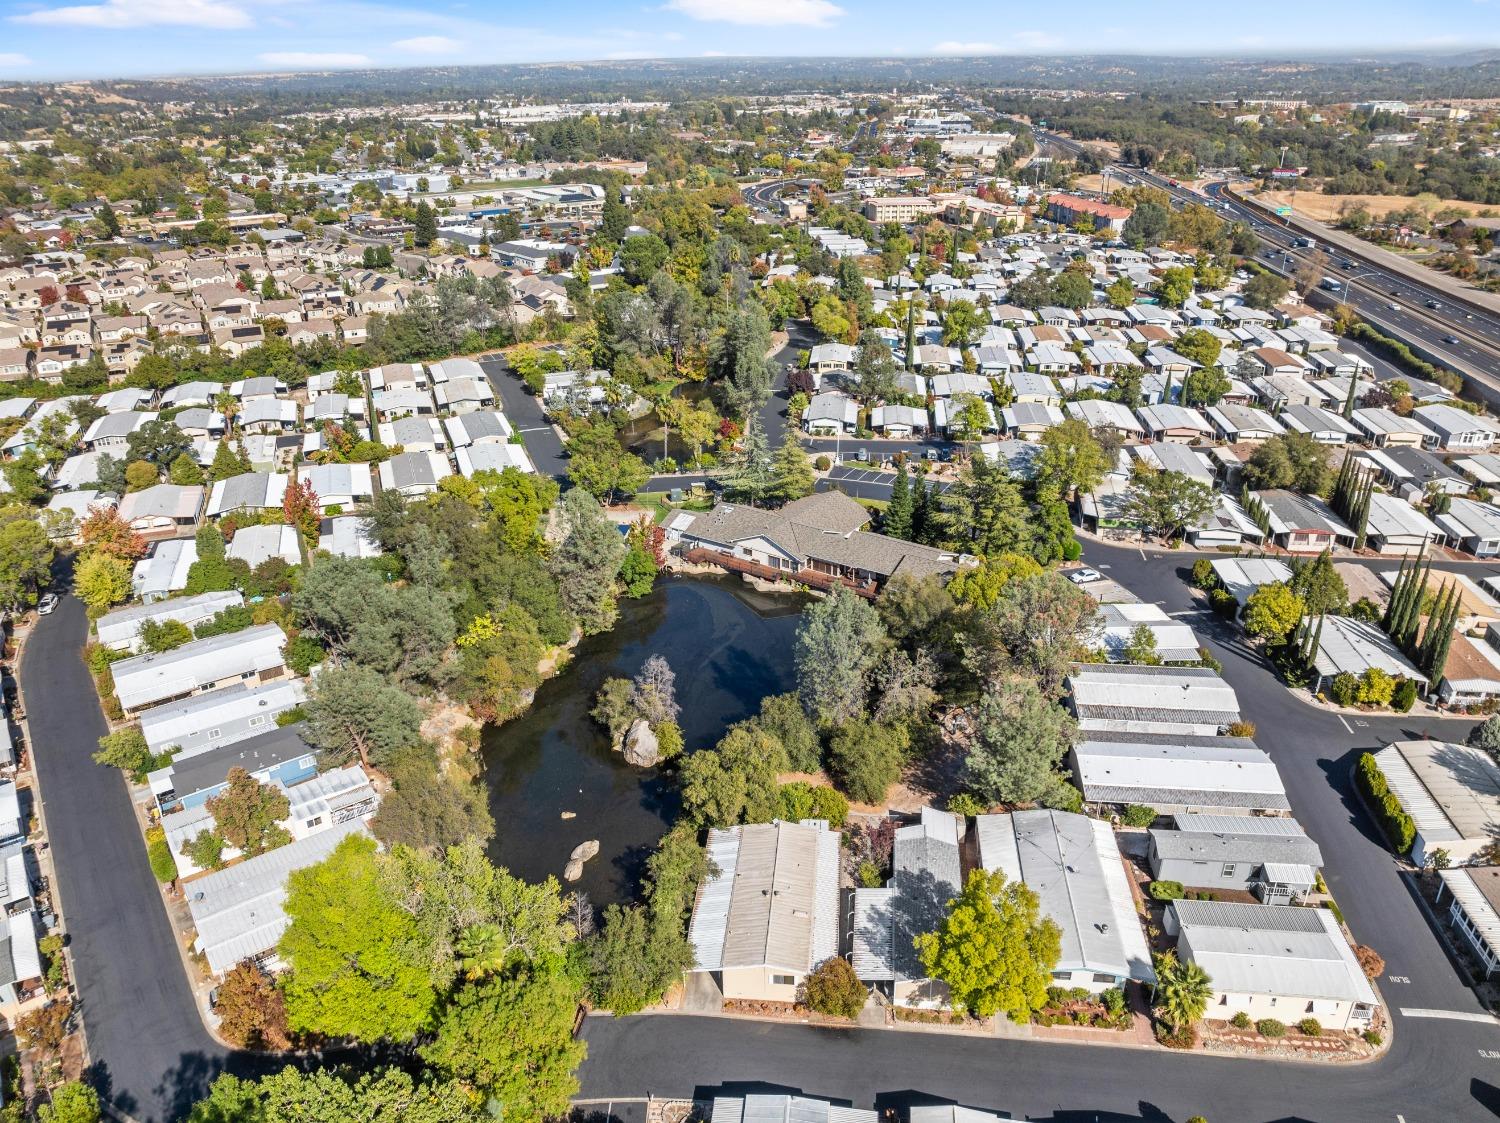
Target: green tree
<point>1266,290</point>
<point>1289,460</point>
<point>1175,286</point>
<point>248,813</point>
<point>839,639</point>
<point>586,562</point>
<point>75,1102</point>
<point>896,520</point>
<point>791,472</point>
<point>26,557</point>
<point>1205,387</point>
<point>1020,739</point>
<point>985,512</point>
<point>424,226</point>
<point>1321,588</point>
<point>158,443</point>
<point>1142,646</point>
<point>865,758</point>
<point>427,810</point>
<point>600,465</point>
<point>1486,735</point>
<point>101,581</point>
<point>125,749</point>
<point>875,370</point>
<point>1147,225</point>
<point>1037,625</point>
<point>751,474</point>
<point>141,474</point>
<point>641,255</point>
<point>1166,503</point>
<point>354,711</point>
<point>185,471</point>
<point>381,1095</point>
<point>353,971</point>
<point>738,358</point>
<point>1272,611</point>
<point>1070,460</point>
<point>511,1037</point>
<point>994,949</point>
<point>1200,345</point>
<point>1120,293</point>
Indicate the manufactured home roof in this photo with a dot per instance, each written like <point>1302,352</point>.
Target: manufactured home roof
<point>1211,772</point>
<point>1452,792</point>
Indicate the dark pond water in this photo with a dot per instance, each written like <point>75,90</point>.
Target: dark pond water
<point>647,438</point>
<point>729,646</point>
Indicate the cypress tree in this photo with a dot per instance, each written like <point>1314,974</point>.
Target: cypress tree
<point>1388,619</point>
<point>1413,613</point>
<point>1349,401</point>
<point>1312,648</point>
<point>901,508</point>
<point>1341,490</point>
<point>1428,646</point>
<point>922,527</point>
<point>1437,661</point>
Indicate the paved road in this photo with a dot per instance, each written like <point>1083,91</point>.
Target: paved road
<point>525,413</point>
<point>152,1056</point>
<point>1439,1068</point>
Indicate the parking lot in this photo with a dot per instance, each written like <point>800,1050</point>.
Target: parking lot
<point>865,483</point>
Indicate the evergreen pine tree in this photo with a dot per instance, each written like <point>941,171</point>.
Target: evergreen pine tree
<point>1312,648</point>
<point>1439,661</point>
<point>1398,587</point>
<point>1413,614</point>
<point>1349,400</point>
<point>923,517</point>
<point>911,330</point>
<point>900,510</point>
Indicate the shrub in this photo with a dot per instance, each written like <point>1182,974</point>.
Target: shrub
<point>1206,659</point>
<point>834,989</point>
<point>163,865</point>
<point>1372,1038</point>
<point>1310,1027</point>
<point>1405,696</point>
<point>1241,1020</point>
<point>1114,1001</point>
<point>1397,824</point>
<point>1183,1038</point>
<point>1203,574</point>
<point>1071,550</point>
<point>1222,601</point>
<point>1242,729</point>
<point>1139,815</point>
<point>870,875</point>
<point>1371,962</point>
<point>965,804</point>
<point>1166,890</point>
<point>822,464</point>
<point>1344,690</point>
<point>1376,687</point>
<point>303,654</point>
<point>1270,1027</point>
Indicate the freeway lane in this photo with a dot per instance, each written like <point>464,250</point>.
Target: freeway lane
<point>1438,1068</point>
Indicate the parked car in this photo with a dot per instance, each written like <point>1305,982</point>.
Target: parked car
<point>47,605</point>
<point>862,455</point>
<point>1084,576</point>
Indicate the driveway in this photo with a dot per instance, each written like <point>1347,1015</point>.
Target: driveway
<point>525,413</point>
<point>151,1055</point>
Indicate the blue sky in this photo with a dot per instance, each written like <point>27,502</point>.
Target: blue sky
<point>106,38</point>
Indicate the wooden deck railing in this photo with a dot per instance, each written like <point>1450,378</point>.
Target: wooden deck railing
<point>701,555</point>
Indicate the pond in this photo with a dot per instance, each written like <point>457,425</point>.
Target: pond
<point>729,646</point>
<point>646,437</point>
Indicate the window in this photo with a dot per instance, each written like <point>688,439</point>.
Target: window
<point>311,823</point>
<point>1228,870</point>
<point>784,980</point>
<point>258,719</point>
<point>1109,980</point>
<point>214,734</point>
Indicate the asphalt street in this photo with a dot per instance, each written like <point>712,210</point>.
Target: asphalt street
<point>1444,1062</point>
<point>524,411</point>
<point>151,1055</point>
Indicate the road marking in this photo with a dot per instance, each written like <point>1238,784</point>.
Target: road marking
<point>1345,724</point>
<point>534,429</point>
<point>1451,1015</point>
<point>1398,978</point>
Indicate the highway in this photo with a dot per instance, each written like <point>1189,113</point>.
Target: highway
<point>1367,289</point>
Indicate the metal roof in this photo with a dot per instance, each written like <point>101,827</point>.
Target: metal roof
<point>1242,576</point>
<point>1074,866</point>
<point>1184,695</point>
<point>1477,891</point>
<point>871,951</point>
<point>166,725</point>
<point>1161,773</point>
<point>926,875</point>
<point>1236,838</point>
<point>773,901</point>
<point>1391,517</point>
<point>144,679</point>
<point>784,1109</point>
<point>1280,950</point>
<point>1451,791</point>
<point>122,627</point>
<point>1351,646</point>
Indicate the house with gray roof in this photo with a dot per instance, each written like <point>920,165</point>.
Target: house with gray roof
<point>21,974</point>
<point>1074,866</point>
<point>785,1109</point>
<point>1301,524</point>
<point>769,913</point>
<point>1387,429</point>
<point>1274,961</point>
<point>268,415</point>
<point>220,717</point>
<point>249,491</point>
<point>163,511</point>
<point>338,485</point>
<point>1270,857</point>
<point>111,433</point>
<point>252,655</point>
<point>413,434</point>
<point>279,754</point>
<point>121,629</point>
<point>1222,775</point>
<point>1242,424</point>
<point>1458,430</point>
<point>820,534</point>
<point>483,426</point>
<point>1141,699</point>
<point>414,473</point>
<point>926,874</point>
<point>1473,526</point>
<point>348,536</point>
<point>1451,792</point>
<point>830,412</point>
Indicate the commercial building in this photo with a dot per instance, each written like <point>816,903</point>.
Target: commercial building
<point>900,208</point>
<point>1072,209</point>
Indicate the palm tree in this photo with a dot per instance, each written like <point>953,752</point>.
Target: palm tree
<point>1182,991</point>
<point>482,950</point>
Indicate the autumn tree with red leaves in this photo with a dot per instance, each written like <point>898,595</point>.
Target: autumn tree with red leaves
<point>105,532</point>
<point>302,509</point>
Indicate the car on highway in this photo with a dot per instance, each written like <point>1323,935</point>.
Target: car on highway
<point>1395,292</point>
<point>1451,340</point>
<point>1433,304</point>
<point>1393,306</point>
<point>932,454</point>
<point>47,605</point>
<point>1084,576</point>
<point>1347,265</point>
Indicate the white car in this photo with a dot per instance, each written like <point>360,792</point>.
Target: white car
<point>1084,576</point>
<point>47,604</point>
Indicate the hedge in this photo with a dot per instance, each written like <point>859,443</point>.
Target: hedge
<point>1400,353</point>
<point>1396,823</point>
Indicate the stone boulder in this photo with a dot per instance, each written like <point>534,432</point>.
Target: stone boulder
<point>581,853</point>
<point>641,746</point>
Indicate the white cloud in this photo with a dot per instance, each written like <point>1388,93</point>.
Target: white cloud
<point>429,45</point>
<point>952,47</point>
<point>760,13</point>
<point>314,60</point>
<point>119,14</point>
<point>11,58</point>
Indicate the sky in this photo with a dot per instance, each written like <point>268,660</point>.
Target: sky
<point>46,39</point>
